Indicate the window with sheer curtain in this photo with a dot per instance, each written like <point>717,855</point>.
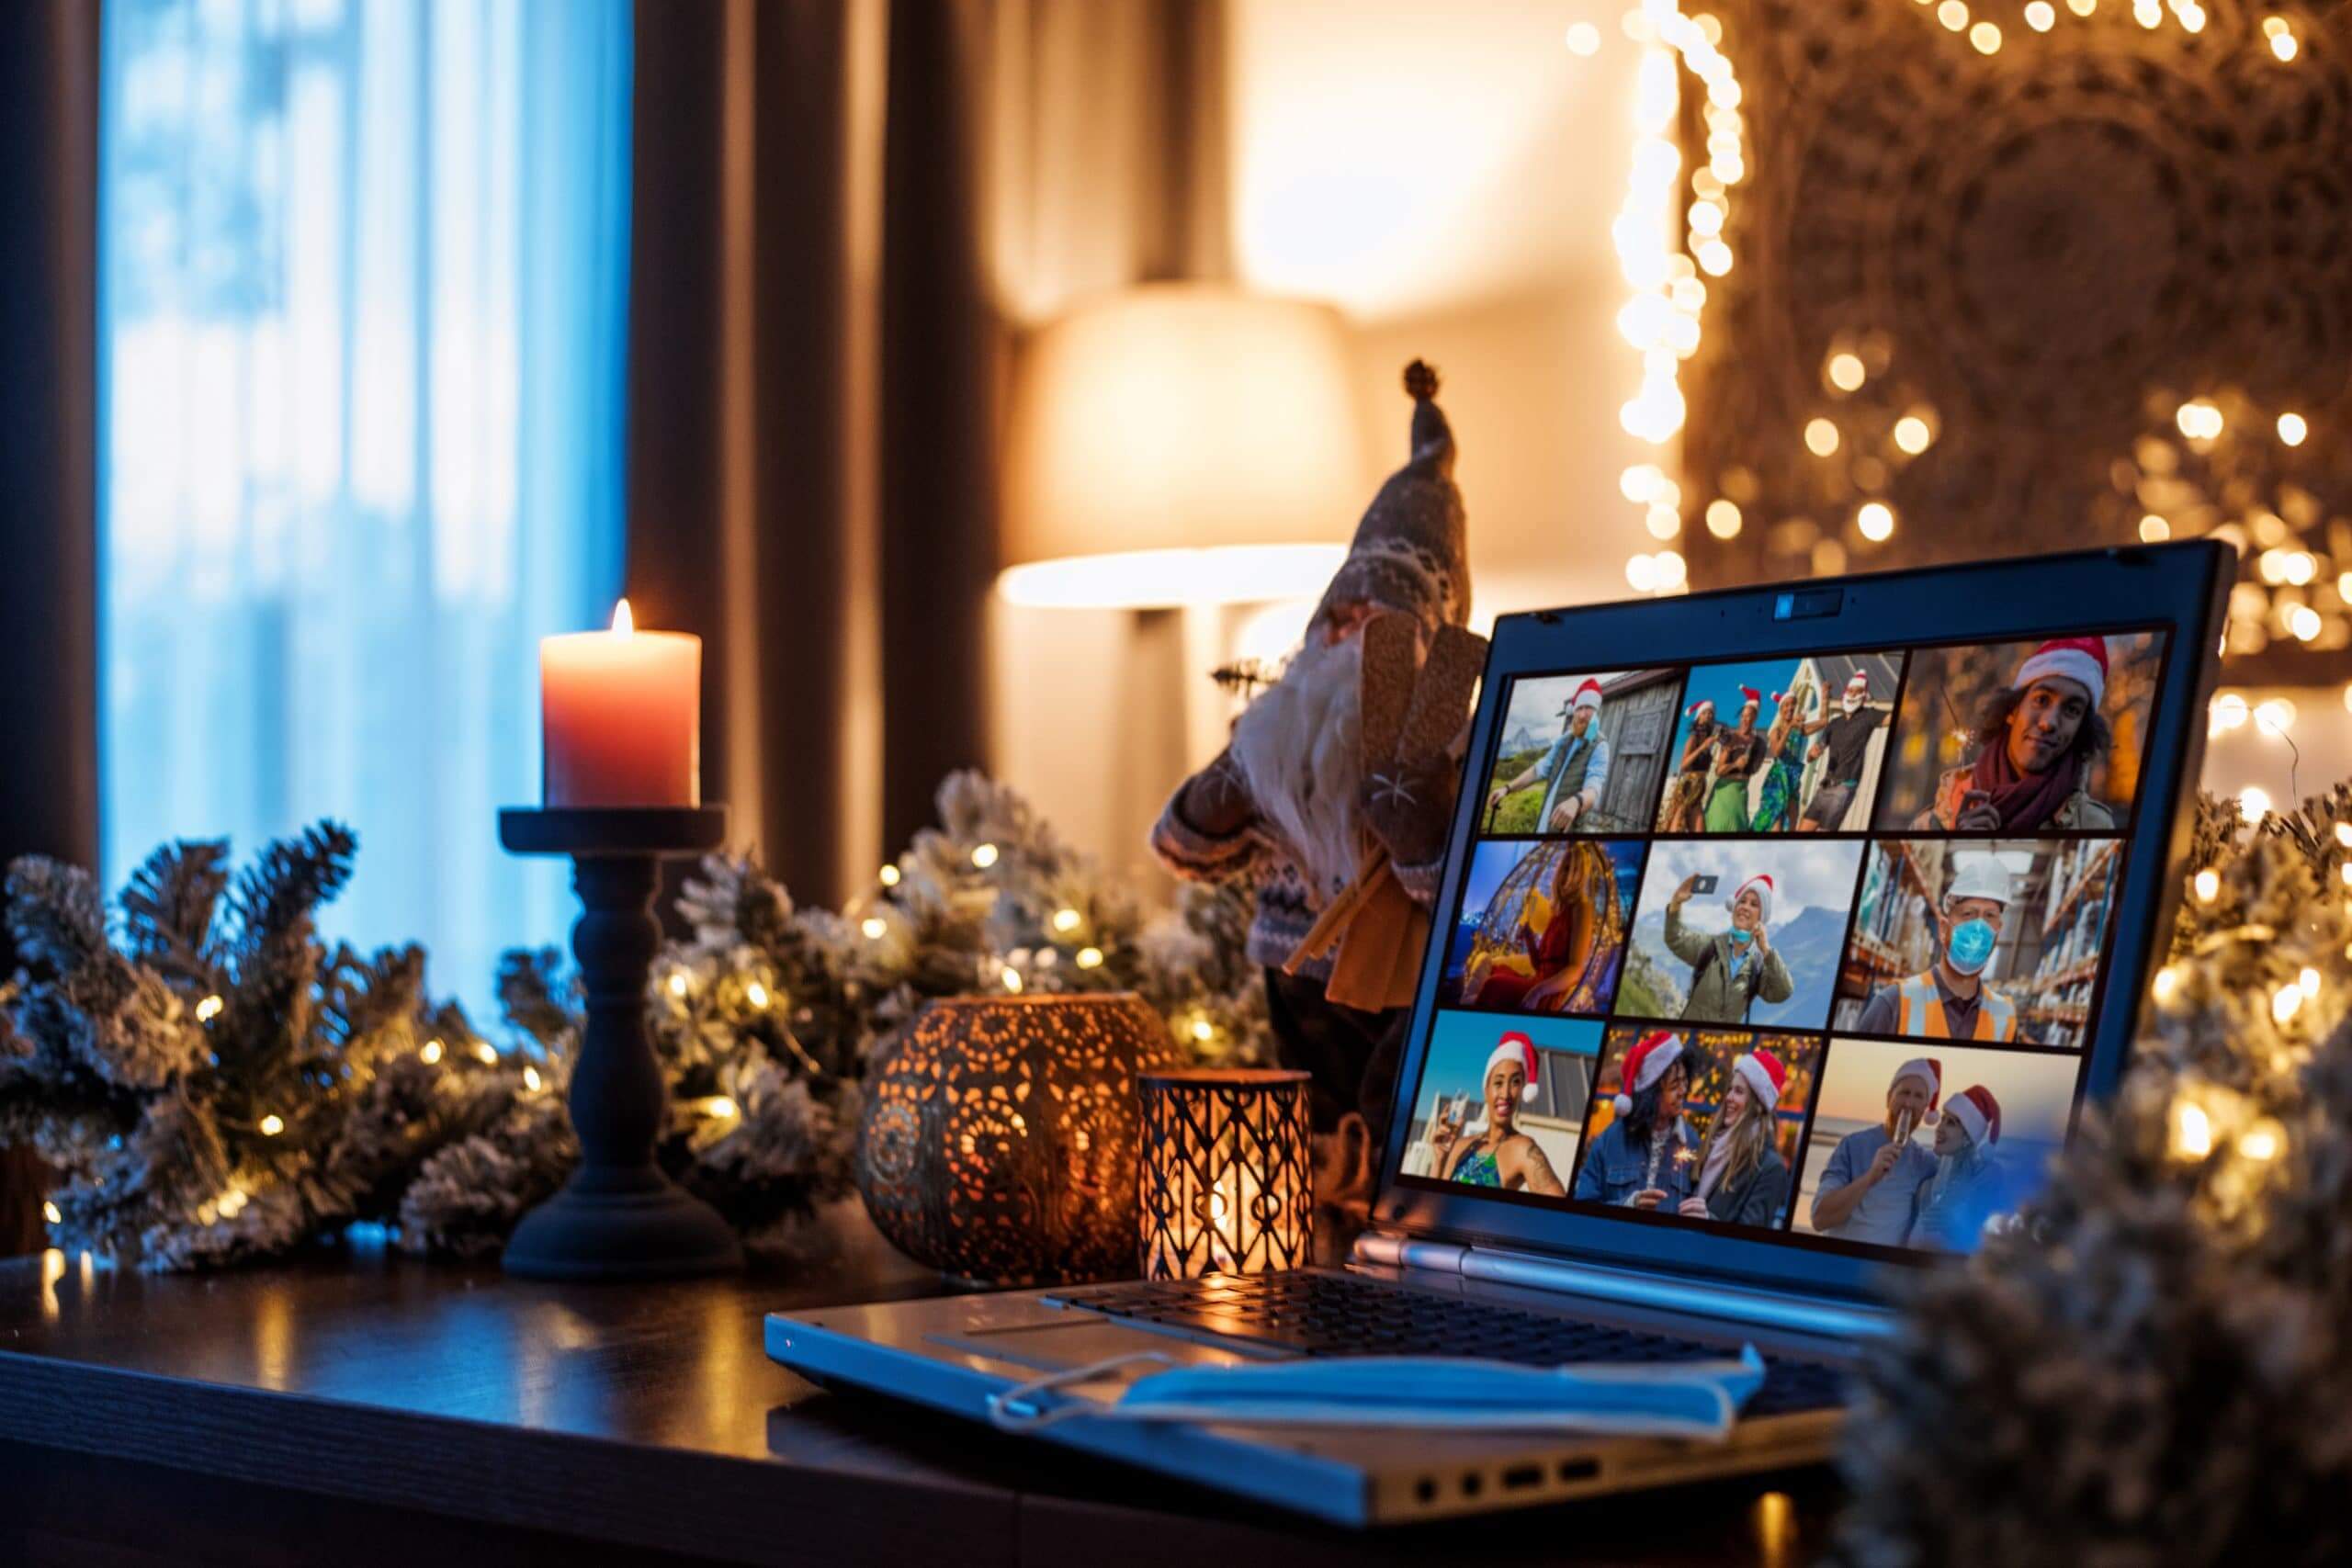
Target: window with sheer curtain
<point>365,266</point>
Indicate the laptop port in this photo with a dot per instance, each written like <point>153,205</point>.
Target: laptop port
<point>1578,1468</point>
<point>1425,1489</point>
<point>1519,1477</point>
<point>1473,1482</point>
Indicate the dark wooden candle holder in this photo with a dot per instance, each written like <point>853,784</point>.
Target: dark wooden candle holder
<point>618,1217</point>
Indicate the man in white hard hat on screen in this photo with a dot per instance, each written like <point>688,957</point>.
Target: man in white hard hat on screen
<point>1948,1000</point>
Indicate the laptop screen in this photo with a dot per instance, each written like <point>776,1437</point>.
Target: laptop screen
<point>1807,947</point>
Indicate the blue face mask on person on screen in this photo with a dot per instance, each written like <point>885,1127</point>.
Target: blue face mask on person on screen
<point>1970,947</point>
<point>1675,1399</point>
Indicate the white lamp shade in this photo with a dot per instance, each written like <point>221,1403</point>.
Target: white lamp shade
<point>1161,430</point>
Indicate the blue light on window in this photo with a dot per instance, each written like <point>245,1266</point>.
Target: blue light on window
<point>364,310</point>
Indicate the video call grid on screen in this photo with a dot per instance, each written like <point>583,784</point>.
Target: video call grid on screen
<point>1559,928</point>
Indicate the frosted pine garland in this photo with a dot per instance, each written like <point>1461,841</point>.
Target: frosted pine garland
<point>2155,1367</point>
<point>211,1082</point>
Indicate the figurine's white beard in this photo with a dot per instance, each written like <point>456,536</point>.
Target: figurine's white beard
<point>1297,747</point>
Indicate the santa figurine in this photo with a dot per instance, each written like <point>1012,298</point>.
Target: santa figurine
<point>1335,792</point>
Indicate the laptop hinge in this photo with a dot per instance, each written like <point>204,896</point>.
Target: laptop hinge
<point>1738,1303</point>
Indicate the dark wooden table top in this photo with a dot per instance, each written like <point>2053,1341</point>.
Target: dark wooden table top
<point>361,1406</point>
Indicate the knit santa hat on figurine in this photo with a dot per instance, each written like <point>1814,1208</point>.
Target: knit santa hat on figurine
<point>2082,659</point>
<point>1411,550</point>
<point>1514,1047</point>
<point>1765,1073</point>
<point>1646,1063</point>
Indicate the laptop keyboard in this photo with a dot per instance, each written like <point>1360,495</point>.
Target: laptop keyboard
<point>1346,1314</point>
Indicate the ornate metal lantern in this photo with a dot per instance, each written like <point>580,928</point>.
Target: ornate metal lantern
<point>999,1139</point>
<point>1227,1182</point>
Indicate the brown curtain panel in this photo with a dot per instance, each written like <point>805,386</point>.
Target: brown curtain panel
<point>813,370</point>
<point>49,160</point>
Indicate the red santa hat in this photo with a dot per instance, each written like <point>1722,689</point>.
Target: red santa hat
<point>1514,1047</point>
<point>1780,697</point>
<point>1860,681</point>
<point>1924,1067</point>
<point>1646,1064</point>
<point>1978,1114</point>
<point>2082,659</point>
<point>1587,695</point>
<point>1765,1073</point>
<point>1750,695</point>
<point>1761,884</point>
<point>1704,705</point>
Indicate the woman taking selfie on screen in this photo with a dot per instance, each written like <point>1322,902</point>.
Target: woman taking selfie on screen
<point>1742,1179</point>
<point>1729,969</point>
<point>1500,1155</point>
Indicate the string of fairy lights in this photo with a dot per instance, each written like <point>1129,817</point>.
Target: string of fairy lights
<point>1671,235</point>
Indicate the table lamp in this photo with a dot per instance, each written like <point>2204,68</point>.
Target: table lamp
<point>1181,447</point>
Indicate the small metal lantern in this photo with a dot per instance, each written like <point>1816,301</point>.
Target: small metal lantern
<point>1227,1179</point>
<point>998,1140</point>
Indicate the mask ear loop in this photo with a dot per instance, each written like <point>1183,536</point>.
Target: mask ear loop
<point>1018,1410</point>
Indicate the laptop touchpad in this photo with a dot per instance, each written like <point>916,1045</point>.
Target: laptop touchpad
<point>1074,1341</point>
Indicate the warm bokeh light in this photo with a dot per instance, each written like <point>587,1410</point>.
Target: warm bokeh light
<point>1953,14</point>
<point>1876,521</point>
<point>1583,39</point>
<point>1845,371</point>
<point>2254,803</point>
<point>2291,429</point>
<point>1820,437</point>
<point>2039,16</point>
<point>1912,435</point>
<point>1986,37</point>
<point>2154,529</point>
<point>1723,519</point>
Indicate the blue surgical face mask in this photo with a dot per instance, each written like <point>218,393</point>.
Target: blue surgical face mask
<point>1741,938</point>
<point>1971,947</point>
<point>1676,1399</point>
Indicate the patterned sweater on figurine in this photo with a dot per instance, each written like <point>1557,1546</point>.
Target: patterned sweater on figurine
<point>1286,912</point>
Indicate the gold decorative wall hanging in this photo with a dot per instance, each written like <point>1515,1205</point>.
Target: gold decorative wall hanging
<point>2008,278</point>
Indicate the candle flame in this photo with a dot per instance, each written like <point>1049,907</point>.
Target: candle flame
<point>623,622</point>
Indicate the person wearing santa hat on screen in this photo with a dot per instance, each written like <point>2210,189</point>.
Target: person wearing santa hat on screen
<point>1867,1190</point>
<point>1576,765</point>
<point>1965,1191</point>
<point>1743,1180</point>
<point>1738,752</point>
<point>1643,1158</point>
<point>1729,969</point>
<point>1500,1155</point>
<point>2036,739</point>
<point>1847,752</point>
<point>1686,799</point>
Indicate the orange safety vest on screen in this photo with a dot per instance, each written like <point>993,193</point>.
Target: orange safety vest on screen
<point>1922,1012</point>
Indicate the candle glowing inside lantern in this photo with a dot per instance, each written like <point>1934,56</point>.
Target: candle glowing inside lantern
<point>620,716</point>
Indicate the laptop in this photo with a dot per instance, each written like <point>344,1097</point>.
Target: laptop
<point>1799,978</point>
